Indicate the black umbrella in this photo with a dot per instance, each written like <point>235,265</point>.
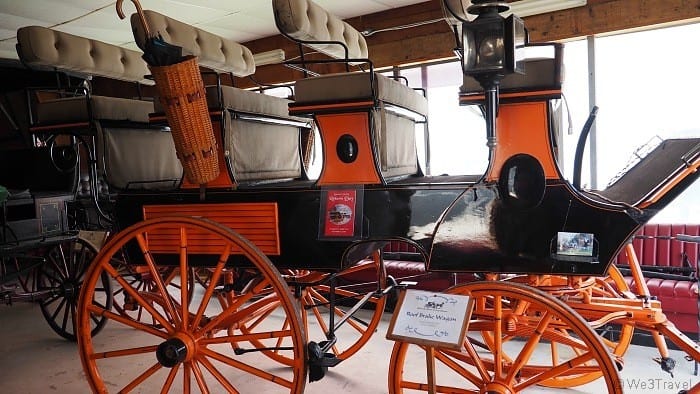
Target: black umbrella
<point>156,52</point>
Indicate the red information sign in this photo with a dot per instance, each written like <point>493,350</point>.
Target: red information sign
<point>340,213</point>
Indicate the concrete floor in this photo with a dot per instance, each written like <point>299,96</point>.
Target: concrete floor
<point>33,359</point>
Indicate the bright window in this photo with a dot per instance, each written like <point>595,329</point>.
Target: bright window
<point>646,86</point>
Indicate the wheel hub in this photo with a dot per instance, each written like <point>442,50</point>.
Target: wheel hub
<point>171,352</point>
<point>68,289</point>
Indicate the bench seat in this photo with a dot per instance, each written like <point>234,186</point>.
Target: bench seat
<point>257,149</point>
<point>129,153</point>
<point>75,109</point>
<point>359,86</point>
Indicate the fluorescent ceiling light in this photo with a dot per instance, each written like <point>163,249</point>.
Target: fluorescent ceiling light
<point>274,56</point>
<point>523,8</point>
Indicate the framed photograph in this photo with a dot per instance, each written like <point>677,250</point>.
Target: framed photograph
<point>575,244</point>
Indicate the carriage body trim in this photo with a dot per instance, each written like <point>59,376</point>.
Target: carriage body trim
<point>257,222</point>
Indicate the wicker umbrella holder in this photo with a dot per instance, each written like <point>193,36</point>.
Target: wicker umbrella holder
<point>184,98</point>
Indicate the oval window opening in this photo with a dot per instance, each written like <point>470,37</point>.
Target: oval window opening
<point>521,182</point>
<point>346,148</point>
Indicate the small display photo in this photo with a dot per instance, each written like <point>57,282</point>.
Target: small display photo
<point>575,244</point>
<point>340,211</point>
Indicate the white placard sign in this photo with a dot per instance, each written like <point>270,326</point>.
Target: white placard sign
<point>429,318</point>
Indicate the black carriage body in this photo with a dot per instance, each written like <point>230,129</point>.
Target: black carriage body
<point>457,226</point>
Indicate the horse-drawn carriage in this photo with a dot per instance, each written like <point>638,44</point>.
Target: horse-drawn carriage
<point>225,276</point>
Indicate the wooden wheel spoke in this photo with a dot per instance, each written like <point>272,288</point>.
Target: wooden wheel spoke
<point>259,310</point>
<point>215,276</point>
<point>59,308</point>
<point>57,267</point>
<point>124,352</point>
<point>529,348</point>
<point>51,300</point>
<point>50,275</point>
<point>317,314</point>
<point>184,272</point>
<point>284,333</point>
<point>285,328</point>
<point>186,379</point>
<point>141,378</point>
<point>136,296</point>
<point>218,375</point>
<point>127,321</point>
<point>477,360</point>
<point>498,336</point>
<point>565,368</point>
<point>234,313</point>
<point>170,379</point>
<point>447,360</point>
<point>247,368</point>
<point>199,378</point>
<point>61,261</point>
<point>95,319</point>
<point>159,284</point>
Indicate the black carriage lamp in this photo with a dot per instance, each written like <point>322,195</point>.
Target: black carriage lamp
<point>493,48</point>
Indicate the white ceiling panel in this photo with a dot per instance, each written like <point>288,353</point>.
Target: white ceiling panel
<point>12,23</point>
<point>242,23</point>
<point>239,20</point>
<point>44,10</point>
<point>221,5</point>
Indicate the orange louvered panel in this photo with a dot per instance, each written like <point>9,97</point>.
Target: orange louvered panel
<point>257,222</point>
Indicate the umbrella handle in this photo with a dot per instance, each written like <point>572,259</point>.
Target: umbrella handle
<point>139,11</point>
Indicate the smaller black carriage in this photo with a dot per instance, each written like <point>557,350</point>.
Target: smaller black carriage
<point>43,257</point>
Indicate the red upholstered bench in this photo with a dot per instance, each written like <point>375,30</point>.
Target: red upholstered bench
<point>669,267</point>
<point>404,263</point>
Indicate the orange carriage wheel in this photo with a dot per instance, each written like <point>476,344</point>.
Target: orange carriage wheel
<point>509,366</point>
<point>62,274</point>
<point>616,334</point>
<point>190,348</point>
<point>360,325</point>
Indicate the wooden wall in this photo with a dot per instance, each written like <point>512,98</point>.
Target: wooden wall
<point>435,40</point>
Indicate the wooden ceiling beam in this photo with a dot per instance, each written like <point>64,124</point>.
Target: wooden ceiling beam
<point>435,40</point>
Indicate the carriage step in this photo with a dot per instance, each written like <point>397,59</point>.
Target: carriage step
<point>319,362</point>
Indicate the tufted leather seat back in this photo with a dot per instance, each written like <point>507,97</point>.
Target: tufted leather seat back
<point>211,50</point>
<point>306,21</point>
<point>41,46</point>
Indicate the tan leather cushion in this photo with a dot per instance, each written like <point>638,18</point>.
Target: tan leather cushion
<point>211,50</point>
<point>356,86</point>
<point>74,109</point>
<point>396,142</point>
<point>40,46</point>
<point>259,152</point>
<point>305,20</point>
<point>138,159</point>
<point>250,102</point>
